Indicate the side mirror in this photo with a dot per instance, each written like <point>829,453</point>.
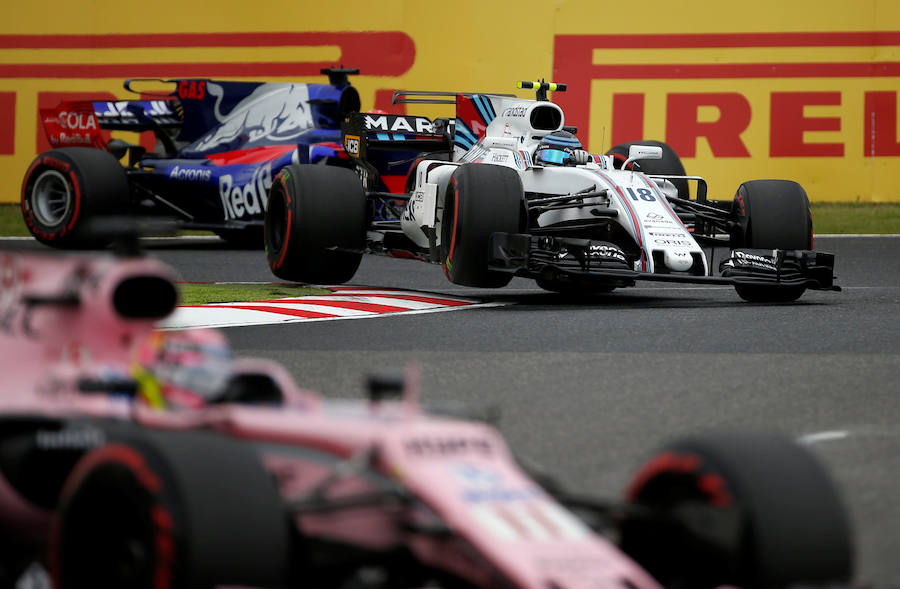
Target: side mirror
<point>643,152</point>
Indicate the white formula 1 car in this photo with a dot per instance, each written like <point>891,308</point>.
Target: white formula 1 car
<point>504,189</point>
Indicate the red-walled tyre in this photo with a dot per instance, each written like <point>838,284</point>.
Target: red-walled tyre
<point>742,509</point>
<point>315,227</point>
<point>481,199</point>
<point>771,214</point>
<point>65,187</point>
<point>169,510</point>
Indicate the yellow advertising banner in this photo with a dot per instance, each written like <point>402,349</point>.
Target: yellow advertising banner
<point>803,90</point>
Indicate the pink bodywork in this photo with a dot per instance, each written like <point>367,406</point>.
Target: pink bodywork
<point>501,524</point>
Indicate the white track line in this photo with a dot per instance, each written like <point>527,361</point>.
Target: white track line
<point>176,321</point>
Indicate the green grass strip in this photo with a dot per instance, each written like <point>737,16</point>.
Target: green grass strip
<point>830,217</point>
<point>201,293</point>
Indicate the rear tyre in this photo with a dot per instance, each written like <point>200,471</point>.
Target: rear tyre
<point>481,199</point>
<point>765,514</point>
<point>669,165</point>
<point>771,214</point>
<point>63,188</point>
<point>315,227</point>
<point>170,510</point>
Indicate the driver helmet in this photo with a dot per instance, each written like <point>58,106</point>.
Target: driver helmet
<point>556,148</point>
<point>182,369</point>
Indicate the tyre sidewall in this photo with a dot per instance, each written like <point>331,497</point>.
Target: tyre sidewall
<point>315,209</point>
<point>481,199</point>
<point>97,184</point>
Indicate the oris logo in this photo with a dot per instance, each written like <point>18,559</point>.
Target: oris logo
<point>250,198</point>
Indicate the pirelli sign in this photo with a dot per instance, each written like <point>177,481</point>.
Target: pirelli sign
<point>819,107</point>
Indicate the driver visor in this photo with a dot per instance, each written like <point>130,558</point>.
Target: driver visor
<point>552,156</point>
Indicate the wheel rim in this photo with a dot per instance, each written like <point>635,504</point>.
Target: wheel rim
<point>51,198</point>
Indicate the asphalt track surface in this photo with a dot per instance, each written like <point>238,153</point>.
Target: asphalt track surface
<point>589,386</point>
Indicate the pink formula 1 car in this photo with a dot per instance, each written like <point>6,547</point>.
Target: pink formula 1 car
<point>112,483</point>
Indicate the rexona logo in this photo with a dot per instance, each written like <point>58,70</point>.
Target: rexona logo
<point>190,174</point>
<point>398,124</point>
<point>239,200</point>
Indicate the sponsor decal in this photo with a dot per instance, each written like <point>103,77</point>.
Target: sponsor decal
<point>77,121</point>
<point>277,112</point>
<point>397,123</point>
<point>673,242</point>
<point>69,439</point>
<point>666,233</point>
<point>606,251</point>
<point>448,445</point>
<point>753,260</point>
<point>251,198</point>
<point>120,111</point>
<point>192,89</point>
<point>484,484</point>
<point>71,127</point>
<point>190,174</point>
<point>499,158</point>
<point>514,111</point>
<point>55,163</point>
<point>351,144</point>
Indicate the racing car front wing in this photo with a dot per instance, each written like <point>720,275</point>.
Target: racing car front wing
<point>586,260</point>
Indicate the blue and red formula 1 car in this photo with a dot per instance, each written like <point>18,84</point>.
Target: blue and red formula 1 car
<point>218,146</point>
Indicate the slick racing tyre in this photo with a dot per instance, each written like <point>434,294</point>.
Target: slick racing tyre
<point>670,164</point>
<point>771,214</point>
<point>315,226</point>
<point>750,510</point>
<point>481,199</point>
<point>65,187</point>
<point>169,510</point>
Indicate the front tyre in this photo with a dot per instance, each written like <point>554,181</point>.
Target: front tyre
<point>170,510</point>
<point>745,509</point>
<point>63,188</point>
<point>315,225</point>
<point>771,214</point>
<point>481,199</point>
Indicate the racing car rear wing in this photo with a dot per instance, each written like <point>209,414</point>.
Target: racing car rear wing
<point>361,132</point>
<point>80,123</point>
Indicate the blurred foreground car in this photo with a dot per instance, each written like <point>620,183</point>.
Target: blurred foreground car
<point>266,485</point>
<point>504,189</point>
<point>219,144</point>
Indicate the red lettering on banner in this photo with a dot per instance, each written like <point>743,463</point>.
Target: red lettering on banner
<point>375,53</point>
<point>627,118</point>
<point>383,97</point>
<point>8,129</point>
<point>788,123</point>
<point>724,134</point>
<point>573,63</point>
<point>880,134</point>
<point>52,99</point>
